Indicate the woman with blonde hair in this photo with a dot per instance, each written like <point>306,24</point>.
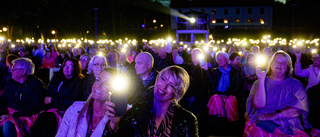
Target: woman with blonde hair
<point>276,100</point>
<point>161,115</point>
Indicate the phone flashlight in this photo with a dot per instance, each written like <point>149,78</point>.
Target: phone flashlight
<point>201,58</point>
<point>261,62</point>
<point>119,96</point>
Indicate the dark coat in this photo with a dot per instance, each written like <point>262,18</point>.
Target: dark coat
<point>87,85</point>
<point>235,82</point>
<point>70,91</point>
<point>135,123</point>
<point>27,98</point>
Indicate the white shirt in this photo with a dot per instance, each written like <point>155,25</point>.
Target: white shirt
<point>68,124</point>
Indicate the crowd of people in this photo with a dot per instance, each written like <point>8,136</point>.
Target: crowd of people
<point>171,90</point>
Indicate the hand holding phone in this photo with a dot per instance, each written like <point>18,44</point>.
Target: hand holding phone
<point>120,100</point>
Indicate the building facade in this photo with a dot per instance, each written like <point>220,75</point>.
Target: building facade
<point>221,14</point>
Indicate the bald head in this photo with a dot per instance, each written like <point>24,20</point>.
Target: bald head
<point>145,56</point>
<point>144,63</point>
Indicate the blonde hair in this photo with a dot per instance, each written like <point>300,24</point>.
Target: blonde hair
<point>181,78</point>
<point>288,60</point>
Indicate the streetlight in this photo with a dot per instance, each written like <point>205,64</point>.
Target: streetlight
<point>154,21</point>
<point>53,32</point>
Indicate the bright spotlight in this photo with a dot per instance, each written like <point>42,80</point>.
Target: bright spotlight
<point>192,20</point>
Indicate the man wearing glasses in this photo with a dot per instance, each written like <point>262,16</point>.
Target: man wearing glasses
<point>22,98</point>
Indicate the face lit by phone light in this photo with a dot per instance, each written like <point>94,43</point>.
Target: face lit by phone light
<point>102,87</point>
<point>171,84</point>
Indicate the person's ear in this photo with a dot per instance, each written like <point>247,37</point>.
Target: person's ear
<point>149,65</point>
<point>24,72</point>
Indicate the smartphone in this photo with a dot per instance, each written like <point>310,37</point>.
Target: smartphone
<point>120,99</point>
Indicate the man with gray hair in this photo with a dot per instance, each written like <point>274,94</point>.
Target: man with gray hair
<point>23,97</point>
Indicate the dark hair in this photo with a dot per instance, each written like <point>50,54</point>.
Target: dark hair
<point>77,71</point>
<point>234,55</point>
<point>88,107</point>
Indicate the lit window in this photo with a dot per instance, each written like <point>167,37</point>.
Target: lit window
<point>214,21</point>
<point>237,20</point>
<point>249,20</point>
<point>261,21</point>
<point>213,11</point>
<point>225,21</point>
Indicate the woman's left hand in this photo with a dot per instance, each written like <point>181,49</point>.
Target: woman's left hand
<point>269,116</point>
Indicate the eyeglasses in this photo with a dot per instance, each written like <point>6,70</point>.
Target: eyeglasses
<point>100,65</point>
<point>68,67</point>
<point>84,59</point>
<point>12,70</point>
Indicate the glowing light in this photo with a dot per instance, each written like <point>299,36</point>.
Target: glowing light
<point>169,39</point>
<point>225,21</point>
<point>1,38</point>
<point>240,53</point>
<point>118,83</point>
<point>223,49</point>
<point>260,60</point>
<point>123,50</point>
<point>181,43</point>
<point>154,21</point>
<point>314,51</point>
<point>244,43</point>
<point>215,48</point>
<point>185,46</point>
<point>53,32</point>
<point>12,45</point>
<point>206,48</point>
<point>192,20</point>
<point>188,49</point>
<point>4,29</point>
<point>200,56</point>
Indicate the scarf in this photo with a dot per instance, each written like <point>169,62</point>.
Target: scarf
<point>225,79</point>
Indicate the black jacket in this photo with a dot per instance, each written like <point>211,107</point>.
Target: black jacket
<point>135,123</point>
<point>87,85</point>
<point>27,98</point>
<point>70,91</point>
<point>235,82</point>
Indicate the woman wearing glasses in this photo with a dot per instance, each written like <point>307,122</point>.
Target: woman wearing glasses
<point>64,89</point>
<point>96,65</point>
